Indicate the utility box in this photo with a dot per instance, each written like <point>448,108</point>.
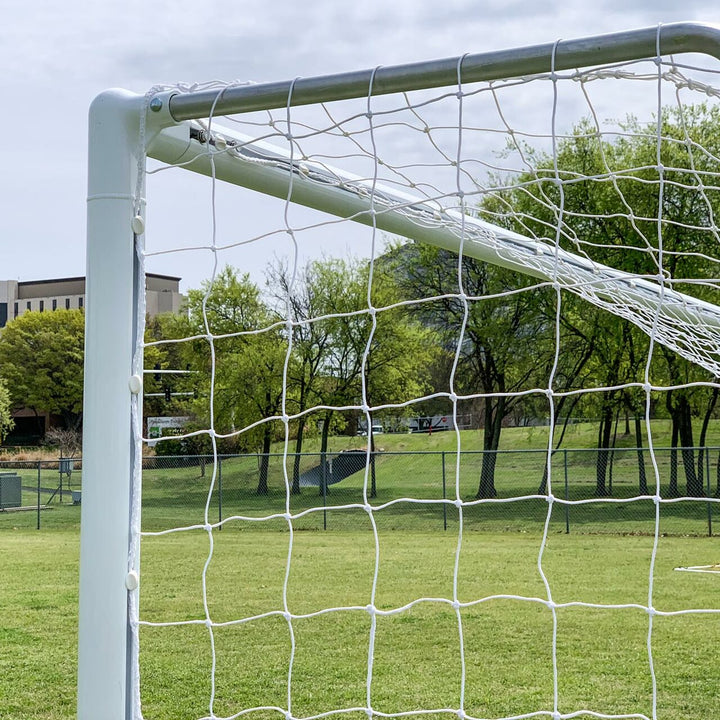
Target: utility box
<point>66,466</point>
<point>10,491</point>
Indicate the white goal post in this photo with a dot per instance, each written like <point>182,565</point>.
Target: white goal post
<point>126,128</point>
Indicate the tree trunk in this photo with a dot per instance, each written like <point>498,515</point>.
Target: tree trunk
<point>487,475</point>
<point>703,437</point>
<point>262,488</point>
<point>685,431</point>
<point>373,485</point>
<point>295,490</point>
<point>491,441</point>
<point>673,489</point>
<point>542,490</point>
<point>611,459</point>
<point>604,435</point>
<point>642,476</point>
<point>323,450</point>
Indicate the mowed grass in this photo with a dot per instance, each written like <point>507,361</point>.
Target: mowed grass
<point>426,468</point>
<point>316,660</point>
<point>418,491</point>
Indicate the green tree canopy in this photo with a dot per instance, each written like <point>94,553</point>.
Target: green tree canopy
<point>239,356</point>
<point>41,362</point>
<point>6,421</point>
<point>641,201</point>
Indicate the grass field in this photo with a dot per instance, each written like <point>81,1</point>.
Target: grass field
<point>602,654</point>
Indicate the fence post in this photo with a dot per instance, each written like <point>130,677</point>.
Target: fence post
<point>39,466</point>
<point>219,461</point>
<point>707,482</point>
<point>567,494</point>
<point>444,494</point>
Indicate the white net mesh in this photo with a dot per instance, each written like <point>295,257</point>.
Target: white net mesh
<point>301,561</point>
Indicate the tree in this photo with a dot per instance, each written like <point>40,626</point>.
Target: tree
<point>505,341</point>
<point>240,361</point>
<point>303,300</point>
<point>168,394</point>
<point>613,219</point>
<point>348,348</point>
<point>41,363</point>
<point>6,421</point>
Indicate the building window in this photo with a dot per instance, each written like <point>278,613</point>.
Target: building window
<point>80,302</point>
<point>15,309</point>
<point>67,303</point>
<point>54,304</point>
<point>29,305</point>
<point>42,305</point>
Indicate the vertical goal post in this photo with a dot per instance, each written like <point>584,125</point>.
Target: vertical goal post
<point>125,127</point>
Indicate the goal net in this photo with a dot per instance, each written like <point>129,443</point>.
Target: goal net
<point>442,392</point>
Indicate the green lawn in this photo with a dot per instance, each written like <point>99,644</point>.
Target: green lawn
<point>601,655</point>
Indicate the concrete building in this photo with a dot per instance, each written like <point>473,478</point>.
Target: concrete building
<point>162,295</point>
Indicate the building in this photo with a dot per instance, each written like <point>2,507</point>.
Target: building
<point>162,295</point>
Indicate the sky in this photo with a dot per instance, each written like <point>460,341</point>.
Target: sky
<point>57,56</point>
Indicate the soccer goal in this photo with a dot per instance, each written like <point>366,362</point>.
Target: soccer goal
<point>526,237</point>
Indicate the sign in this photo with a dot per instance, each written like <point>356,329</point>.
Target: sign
<point>158,426</point>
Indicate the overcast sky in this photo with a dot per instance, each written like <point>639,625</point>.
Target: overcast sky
<point>56,56</point>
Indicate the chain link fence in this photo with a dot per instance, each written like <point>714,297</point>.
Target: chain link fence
<point>31,488</point>
<point>593,491</point>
